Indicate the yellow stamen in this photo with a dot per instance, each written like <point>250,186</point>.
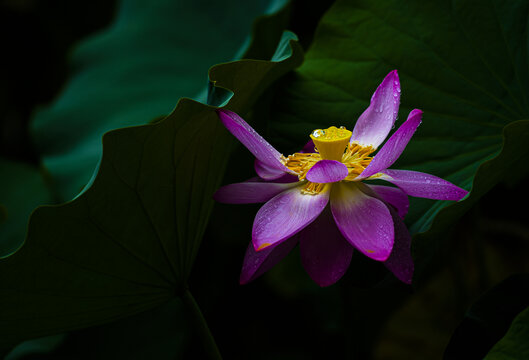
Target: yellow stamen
<point>312,188</point>
<point>356,158</point>
<point>332,142</point>
<point>300,163</point>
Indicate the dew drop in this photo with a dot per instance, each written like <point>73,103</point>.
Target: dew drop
<point>318,133</point>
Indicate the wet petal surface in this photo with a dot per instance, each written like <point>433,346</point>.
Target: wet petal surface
<point>285,215</point>
<point>424,185</point>
<point>363,220</point>
<point>377,120</point>
<point>393,196</point>
<point>394,147</point>
<point>254,142</point>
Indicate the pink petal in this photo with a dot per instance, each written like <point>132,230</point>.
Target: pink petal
<point>396,144</point>
<point>377,120</point>
<point>327,171</point>
<point>325,253</point>
<point>424,185</point>
<point>257,263</point>
<point>393,196</point>
<point>285,215</point>
<point>267,172</point>
<point>254,142</point>
<point>363,220</point>
<point>400,262</point>
<point>250,192</point>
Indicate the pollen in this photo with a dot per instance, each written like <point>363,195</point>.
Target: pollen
<point>332,142</point>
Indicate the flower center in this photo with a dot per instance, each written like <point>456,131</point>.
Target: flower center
<point>332,142</point>
<point>356,158</point>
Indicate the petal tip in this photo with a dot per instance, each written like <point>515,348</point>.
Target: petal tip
<point>416,112</point>
<point>380,256</point>
<point>462,194</point>
<point>323,284</point>
<point>261,246</point>
<point>395,77</point>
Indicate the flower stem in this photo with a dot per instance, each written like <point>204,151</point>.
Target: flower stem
<point>201,326</point>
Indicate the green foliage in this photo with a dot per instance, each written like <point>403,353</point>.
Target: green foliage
<point>489,318</point>
<point>127,243</point>
<point>514,345</point>
<point>463,63</point>
<point>126,75</point>
<point>23,188</point>
<point>136,70</point>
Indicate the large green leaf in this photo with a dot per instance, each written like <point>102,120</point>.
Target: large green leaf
<point>463,62</point>
<point>22,188</point>
<point>125,75</point>
<point>127,243</point>
<point>514,344</point>
<point>133,72</point>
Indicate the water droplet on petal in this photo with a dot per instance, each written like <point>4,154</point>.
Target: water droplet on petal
<point>318,133</point>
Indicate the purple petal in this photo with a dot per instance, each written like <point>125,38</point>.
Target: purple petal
<point>309,147</point>
<point>363,220</point>
<point>327,171</point>
<point>285,215</point>
<point>396,144</point>
<point>400,262</point>
<point>254,142</point>
<point>393,196</point>
<point>375,123</point>
<point>267,172</point>
<point>424,185</point>
<point>250,192</point>
<point>325,253</point>
<point>257,263</point>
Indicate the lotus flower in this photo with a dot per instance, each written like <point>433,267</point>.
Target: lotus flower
<point>317,197</point>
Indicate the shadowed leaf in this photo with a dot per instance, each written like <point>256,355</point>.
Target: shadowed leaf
<point>514,344</point>
<point>488,319</point>
<point>127,243</point>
